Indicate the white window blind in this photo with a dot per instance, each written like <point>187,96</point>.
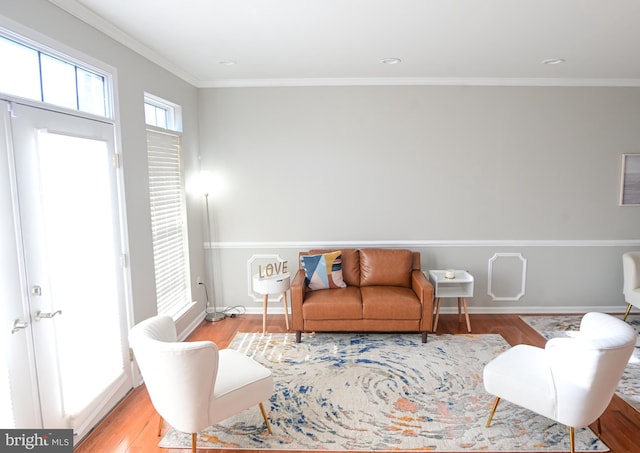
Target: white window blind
<point>170,251</point>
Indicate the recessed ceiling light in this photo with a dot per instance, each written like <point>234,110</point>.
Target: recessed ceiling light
<point>553,61</point>
<point>226,62</point>
<point>391,61</point>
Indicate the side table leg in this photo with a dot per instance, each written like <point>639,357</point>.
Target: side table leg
<point>435,323</point>
<point>264,313</point>
<point>459,309</point>
<point>466,313</point>
<point>286,309</point>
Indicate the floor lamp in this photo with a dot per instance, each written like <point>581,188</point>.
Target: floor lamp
<point>214,315</point>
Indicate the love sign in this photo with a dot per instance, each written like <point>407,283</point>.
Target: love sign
<point>272,269</point>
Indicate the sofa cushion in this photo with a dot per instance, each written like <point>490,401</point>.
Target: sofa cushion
<point>342,303</point>
<point>323,271</point>
<point>385,267</point>
<point>350,264</point>
<point>390,302</point>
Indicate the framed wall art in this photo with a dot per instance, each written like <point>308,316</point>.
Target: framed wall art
<point>630,180</point>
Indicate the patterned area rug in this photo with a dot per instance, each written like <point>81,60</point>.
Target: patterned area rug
<point>558,326</point>
<point>356,392</point>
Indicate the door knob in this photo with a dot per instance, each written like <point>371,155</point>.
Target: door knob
<point>19,325</point>
<point>40,315</point>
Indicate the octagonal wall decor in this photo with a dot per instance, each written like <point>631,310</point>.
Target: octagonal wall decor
<point>507,276</point>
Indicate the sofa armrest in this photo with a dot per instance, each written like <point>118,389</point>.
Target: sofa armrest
<point>297,297</point>
<point>424,290</point>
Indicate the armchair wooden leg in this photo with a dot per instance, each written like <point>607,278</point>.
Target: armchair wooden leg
<point>266,419</point>
<point>493,411</point>
<point>194,440</point>
<point>572,439</point>
<point>626,313</point>
<point>599,428</point>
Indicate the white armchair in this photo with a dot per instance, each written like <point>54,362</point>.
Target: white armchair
<point>571,380</point>
<point>631,273</point>
<point>194,385</point>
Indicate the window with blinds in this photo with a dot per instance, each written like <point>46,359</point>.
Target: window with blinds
<point>168,222</point>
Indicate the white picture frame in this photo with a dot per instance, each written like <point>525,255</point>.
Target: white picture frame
<point>630,180</point>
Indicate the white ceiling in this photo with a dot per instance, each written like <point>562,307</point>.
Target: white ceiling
<point>341,42</point>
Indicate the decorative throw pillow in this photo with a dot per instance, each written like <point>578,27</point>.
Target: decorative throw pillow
<point>323,271</point>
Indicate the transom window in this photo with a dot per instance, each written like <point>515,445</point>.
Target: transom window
<point>162,113</point>
<point>39,76</point>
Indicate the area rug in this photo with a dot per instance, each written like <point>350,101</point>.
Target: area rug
<point>381,392</point>
<point>558,326</point>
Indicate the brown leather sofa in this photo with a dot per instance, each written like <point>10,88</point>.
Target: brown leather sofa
<point>385,292</point>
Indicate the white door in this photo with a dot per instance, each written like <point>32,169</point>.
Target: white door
<point>71,252</point>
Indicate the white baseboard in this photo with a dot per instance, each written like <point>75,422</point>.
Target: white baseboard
<point>492,310</point>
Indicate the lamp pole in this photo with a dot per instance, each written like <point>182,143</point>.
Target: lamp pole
<point>211,316</point>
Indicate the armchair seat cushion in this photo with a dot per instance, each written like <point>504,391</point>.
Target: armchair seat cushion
<point>256,384</point>
<point>340,303</point>
<point>521,371</point>
<point>390,302</point>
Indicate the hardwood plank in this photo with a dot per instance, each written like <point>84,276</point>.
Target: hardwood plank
<point>132,426</point>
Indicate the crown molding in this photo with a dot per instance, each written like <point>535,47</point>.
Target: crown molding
<point>99,23</point>
<point>420,81</point>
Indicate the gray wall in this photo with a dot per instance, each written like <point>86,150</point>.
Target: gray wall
<point>134,76</point>
<point>459,173</point>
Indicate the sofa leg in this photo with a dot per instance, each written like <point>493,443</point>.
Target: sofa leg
<point>424,336</point>
<point>298,336</point>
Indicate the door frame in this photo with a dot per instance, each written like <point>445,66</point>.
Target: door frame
<point>109,399</point>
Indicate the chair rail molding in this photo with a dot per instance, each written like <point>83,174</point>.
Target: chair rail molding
<point>418,243</point>
<point>503,276</point>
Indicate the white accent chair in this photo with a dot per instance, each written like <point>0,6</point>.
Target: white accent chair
<point>631,273</point>
<point>194,385</point>
<point>570,380</point>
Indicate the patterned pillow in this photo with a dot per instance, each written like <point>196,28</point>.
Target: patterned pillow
<point>323,271</point>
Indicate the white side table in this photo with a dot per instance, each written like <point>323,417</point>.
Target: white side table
<point>461,286</point>
<point>272,285</point>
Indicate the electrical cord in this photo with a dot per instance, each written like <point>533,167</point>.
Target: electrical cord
<point>231,312</point>
<point>234,311</point>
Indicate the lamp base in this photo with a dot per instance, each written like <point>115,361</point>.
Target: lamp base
<point>213,317</point>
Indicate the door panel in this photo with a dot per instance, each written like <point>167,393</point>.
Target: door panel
<point>17,375</point>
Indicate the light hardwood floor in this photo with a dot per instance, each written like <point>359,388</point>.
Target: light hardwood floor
<point>133,425</point>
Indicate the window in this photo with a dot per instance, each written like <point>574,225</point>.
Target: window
<point>43,77</point>
<point>161,113</point>
<point>168,213</point>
